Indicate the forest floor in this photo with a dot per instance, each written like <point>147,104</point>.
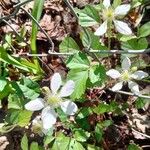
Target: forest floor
<point>58,21</point>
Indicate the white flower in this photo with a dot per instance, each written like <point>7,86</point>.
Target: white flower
<point>52,100</point>
<point>109,15</point>
<point>126,76</point>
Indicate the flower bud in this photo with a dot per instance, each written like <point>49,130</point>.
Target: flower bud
<point>134,69</point>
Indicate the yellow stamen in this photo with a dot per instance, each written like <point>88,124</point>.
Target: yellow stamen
<point>54,100</point>
<point>108,14</point>
<point>125,76</point>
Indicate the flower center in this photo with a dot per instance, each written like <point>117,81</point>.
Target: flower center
<point>125,76</point>
<point>51,99</point>
<point>54,101</point>
<point>108,14</point>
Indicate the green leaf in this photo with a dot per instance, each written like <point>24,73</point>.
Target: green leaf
<point>31,66</point>
<point>135,44</point>
<point>62,116</point>
<point>24,143</point>
<point>23,31</point>
<point>61,142</point>
<point>97,73</point>
<point>28,92</point>
<point>31,84</point>
<point>113,106</point>
<point>98,133</point>
<point>95,42</point>
<point>81,70</point>
<point>76,145</point>
<point>133,147</point>
<point>6,91</point>
<point>10,60</point>
<point>14,102</point>
<point>89,16</point>
<point>84,112</point>
<point>78,61</point>
<point>125,38</point>
<point>68,45</point>
<point>81,135</point>
<point>24,118</point>
<point>36,13</point>
<point>101,108</point>
<point>3,83</point>
<point>19,117</point>
<point>66,143</point>
<point>8,40</point>
<point>140,103</point>
<point>34,146</point>
<point>48,139</point>
<point>17,62</point>
<point>83,123</point>
<point>12,116</point>
<point>136,3</point>
<point>80,78</point>
<point>93,147</point>
<point>144,30</point>
<point>105,124</point>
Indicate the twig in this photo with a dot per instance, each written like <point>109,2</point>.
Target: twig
<point>49,53</point>
<point>131,94</point>
<point>145,146</point>
<point>14,31</point>
<point>49,39</point>
<point>91,51</point>
<point>16,7</point>
<point>142,51</point>
<point>50,69</point>
<point>11,27</point>
<point>22,3</point>
<point>141,133</point>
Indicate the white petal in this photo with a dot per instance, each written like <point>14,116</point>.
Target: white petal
<point>102,29</point>
<point>69,107</point>
<point>133,87</point>
<point>126,63</point>
<point>48,117</point>
<point>139,75</point>
<point>113,73</point>
<point>106,3</point>
<point>35,105</point>
<point>55,83</point>
<point>122,27</point>
<point>67,89</point>
<point>117,86</point>
<point>122,9</point>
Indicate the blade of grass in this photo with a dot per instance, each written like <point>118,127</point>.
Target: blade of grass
<point>36,13</point>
